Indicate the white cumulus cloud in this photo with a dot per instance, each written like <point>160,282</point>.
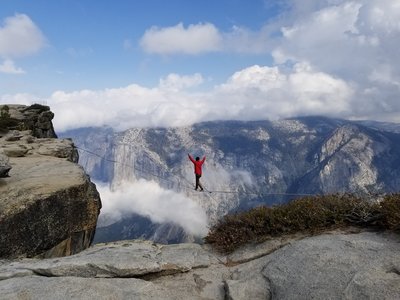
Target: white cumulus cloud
<point>19,36</point>
<point>269,93</point>
<point>168,104</point>
<point>9,67</point>
<point>256,92</point>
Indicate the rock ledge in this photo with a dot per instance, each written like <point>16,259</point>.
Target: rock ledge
<point>330,266</point>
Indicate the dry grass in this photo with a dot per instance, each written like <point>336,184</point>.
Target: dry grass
<point>308,215</point>
<point>390,210</point>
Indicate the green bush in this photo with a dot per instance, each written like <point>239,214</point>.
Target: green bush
<point>306,215</point>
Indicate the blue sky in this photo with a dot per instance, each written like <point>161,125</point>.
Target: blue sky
<point>85,41</point>
<point>172,63</point>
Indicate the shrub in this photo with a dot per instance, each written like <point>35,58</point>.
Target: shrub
<point>390,210</point>
<point>306,215</point>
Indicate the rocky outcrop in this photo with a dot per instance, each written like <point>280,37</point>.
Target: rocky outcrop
<point>330,266</point>
<point>36,118</point>
<point>48,205</point>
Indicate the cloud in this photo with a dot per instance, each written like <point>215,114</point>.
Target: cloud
<point>132,106</point>
<point>9,67</point>
<point>355,41</point>
<point>176,82</point>
<point>19,36</point>
<point>313,37</point>
<point>380,16</point>
<point>351,39</point>
<point>204,38</point>
<point>256,92</point>
<point>242,40</point>
<point>332,57</point>
<point>148,199</point>
<point>271,93</point>
<point>194,39</point>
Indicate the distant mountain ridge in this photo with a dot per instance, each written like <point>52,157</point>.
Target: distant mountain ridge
<point>252,163</point>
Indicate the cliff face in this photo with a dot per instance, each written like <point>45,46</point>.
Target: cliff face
<point>255,162</point>
<point>330,266</point>
<point>48,205</point>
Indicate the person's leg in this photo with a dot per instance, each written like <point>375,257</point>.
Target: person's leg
<point>198,182</point>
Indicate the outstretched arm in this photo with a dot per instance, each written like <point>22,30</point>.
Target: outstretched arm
<point>203,160</point>
<point>191,158</point>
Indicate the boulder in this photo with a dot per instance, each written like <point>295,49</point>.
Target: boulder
<point>62,148</point>
<point>15,150</point>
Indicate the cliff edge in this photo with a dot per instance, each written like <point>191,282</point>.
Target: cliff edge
<point>48,205</point>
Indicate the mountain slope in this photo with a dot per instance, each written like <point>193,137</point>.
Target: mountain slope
<point>248,163</point>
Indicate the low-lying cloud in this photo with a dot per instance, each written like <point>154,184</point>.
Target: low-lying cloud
<point>148,199</point>
<point>254,93</point>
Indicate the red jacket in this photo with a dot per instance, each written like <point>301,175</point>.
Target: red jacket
<point>197,164</point>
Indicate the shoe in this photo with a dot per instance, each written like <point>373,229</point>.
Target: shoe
<point>201,190</point>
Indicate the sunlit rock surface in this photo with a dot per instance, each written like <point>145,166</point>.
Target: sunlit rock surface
<point>330,266</point>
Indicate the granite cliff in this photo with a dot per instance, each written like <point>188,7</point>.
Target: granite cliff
<point>252,163</point>
<point>48,205</point>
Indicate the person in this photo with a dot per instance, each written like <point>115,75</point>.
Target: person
<point>197,170</point>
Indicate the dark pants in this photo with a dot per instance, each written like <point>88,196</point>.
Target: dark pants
<point>198,184</point>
